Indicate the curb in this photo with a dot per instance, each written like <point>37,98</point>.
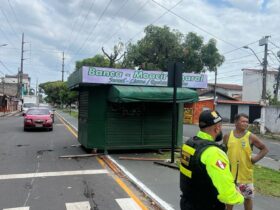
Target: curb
<point>151,195</point>
<point>9,114</point>
<point>66,121</point>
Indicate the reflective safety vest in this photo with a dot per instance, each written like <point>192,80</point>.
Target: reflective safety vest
<point>198,191</point>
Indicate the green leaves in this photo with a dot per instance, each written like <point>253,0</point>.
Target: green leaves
<point>58,93</point>
<point>97,60</point>
<point>161,44</point>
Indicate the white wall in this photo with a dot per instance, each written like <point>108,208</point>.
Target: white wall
<point>243,109</point>
<point>224,110</point>
<point>228,92</point>
<point>252,85</point>
<point>15,80</point>
<point>272,120</point>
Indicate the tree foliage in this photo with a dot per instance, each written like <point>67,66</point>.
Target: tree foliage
<point>97,60</point>
<point>161,44</point>
<point>58,93</point>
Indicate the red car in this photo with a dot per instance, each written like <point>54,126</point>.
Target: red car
<point>38,118</point>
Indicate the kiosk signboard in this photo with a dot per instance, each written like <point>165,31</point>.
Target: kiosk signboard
<point>100,75</point>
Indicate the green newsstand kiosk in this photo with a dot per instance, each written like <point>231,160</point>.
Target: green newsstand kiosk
<point>126,109</point>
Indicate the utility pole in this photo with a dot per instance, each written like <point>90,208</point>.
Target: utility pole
<point>21,67</point>
<point>277,81</point>
<point>215,92</point>
<point>3,86</point>
<point>36,91</point>
<point>62,67</point>
<point>264,41</point>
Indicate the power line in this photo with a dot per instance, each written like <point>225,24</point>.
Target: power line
<point>270,58</point>
<point>155,20</point>
<point>274,55</point>
<point>125,22</point>
<point>73,26</point>
<point>115,15</point>
<point>8,21</point>
<point>274,44</point>
<point>96,24</point>
<point>14,13</point>
<point>81,26</point>
<point>245,56</point>
<point>7,37</point>
<point>6,67</point>
<point>238,48</point>
<point>196,26</point>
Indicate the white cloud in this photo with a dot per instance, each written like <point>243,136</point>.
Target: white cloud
<point>53,26</point>
<point>247,5</point>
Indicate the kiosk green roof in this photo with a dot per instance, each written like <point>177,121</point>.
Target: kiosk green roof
<point>121,94</point>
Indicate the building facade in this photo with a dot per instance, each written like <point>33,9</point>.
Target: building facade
<point>252,84</point>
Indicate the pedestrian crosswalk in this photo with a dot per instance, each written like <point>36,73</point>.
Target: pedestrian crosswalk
<point>18,208</point>
<point>124,204</point>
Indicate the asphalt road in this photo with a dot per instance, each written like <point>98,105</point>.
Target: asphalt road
<point>33,176</point>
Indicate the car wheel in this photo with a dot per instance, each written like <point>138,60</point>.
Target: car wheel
<point>24,129</point>
<point>50,129</point>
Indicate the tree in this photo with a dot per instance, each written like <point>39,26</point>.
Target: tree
<point>97,60</point>
<point>116,55</point>
<point>210,56</point>
<point>58,93</point>
<point>161,44</point>
<point>192,46</point>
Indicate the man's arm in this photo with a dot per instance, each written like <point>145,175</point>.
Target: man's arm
<point>225,140</point>
<point>263,150</point>
<point>217,166</point>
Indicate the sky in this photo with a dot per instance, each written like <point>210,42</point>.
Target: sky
<point>79,28</point>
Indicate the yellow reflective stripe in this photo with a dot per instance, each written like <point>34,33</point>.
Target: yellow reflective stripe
<point>185,171</point>
<point>188,149</point>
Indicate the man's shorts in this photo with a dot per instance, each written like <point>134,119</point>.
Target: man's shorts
<point>247,190</point>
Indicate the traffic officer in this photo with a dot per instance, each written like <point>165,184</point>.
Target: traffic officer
<point>205,178</point>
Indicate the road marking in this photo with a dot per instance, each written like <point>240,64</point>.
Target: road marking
<point>269,158</point>
<point>18,208</point>
<point>66,121</point>
<point>78,206</point>
<point>275,143</point>
<point>125,188</point>
<point>143,187</point>
<point>51,174</point>
<point>101,162</point>
<point>127,204</point>
<point>67,126</point>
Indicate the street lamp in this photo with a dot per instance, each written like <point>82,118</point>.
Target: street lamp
<point>246,47</point>
<point>2,45</point>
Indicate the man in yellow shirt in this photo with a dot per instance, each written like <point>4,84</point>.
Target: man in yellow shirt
<point>239,143</point>
<point>205,178</point>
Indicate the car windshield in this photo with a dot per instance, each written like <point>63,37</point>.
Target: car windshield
<point>38,112</point>
<point>28,105</point>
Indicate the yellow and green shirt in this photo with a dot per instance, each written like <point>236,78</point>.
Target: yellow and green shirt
<point>239,154</point>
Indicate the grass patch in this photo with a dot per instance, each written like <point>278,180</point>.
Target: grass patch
<point>267,181</point>
<point>72,113</point>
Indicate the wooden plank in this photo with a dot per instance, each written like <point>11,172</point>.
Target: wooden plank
<point>142,158</point>
<point>78,156</point>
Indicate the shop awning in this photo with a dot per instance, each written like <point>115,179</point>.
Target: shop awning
<point>120,94</point>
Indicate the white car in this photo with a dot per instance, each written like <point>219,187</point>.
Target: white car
<point>257,121</point>
<point>26,106</point>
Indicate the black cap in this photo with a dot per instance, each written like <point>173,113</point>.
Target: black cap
<point>208,118</point>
